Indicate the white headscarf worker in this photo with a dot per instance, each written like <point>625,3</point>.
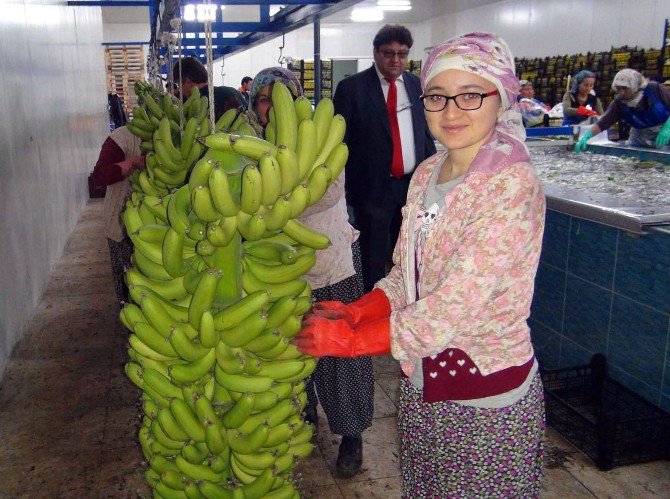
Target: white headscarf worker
<point>643,104</point>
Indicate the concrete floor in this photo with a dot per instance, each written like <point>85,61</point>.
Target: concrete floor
<point>69,417</point>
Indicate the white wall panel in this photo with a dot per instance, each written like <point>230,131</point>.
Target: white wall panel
<point>540,28</point>
<point>54,118</point>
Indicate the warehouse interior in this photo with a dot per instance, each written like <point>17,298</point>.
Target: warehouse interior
<point>68,414</point>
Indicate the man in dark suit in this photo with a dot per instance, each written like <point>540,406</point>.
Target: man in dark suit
<point>387,138</point>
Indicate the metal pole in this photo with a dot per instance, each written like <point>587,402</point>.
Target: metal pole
<point>317,60</point>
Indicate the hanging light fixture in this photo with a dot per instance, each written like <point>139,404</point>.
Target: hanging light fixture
<point>394,5</point>
<point>367,14</point>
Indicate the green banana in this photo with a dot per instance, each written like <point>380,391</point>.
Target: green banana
<point>236,415</point>
<point>251,227</point>
<point>161,384</point>
<point>236,313</point>
<point>153,339</point>
<point>143,349</point>
<point>276,217</point>
<point>304,235</point>
<point>264,342</point>
<point>169,290</point>
<point>243,383</point>
<point>226,200</point>
<point>318,183</point>
<point>171,428</point>
<point>282,273</point>
<point>271,179</point>
<point>286,123</point>
<point>251,284</point>
<point>203,297</point>
<point>306,147</point>
<point>148,267</point>
<point>248,442</point>
<point>214,491</point>
<point>228,260</point>
<point>268,250</point>
<point>303,108</point>
<point>203,204</point>
<point>221,233</point>
<point>134,371</point>
<point>337,160</point>
<point>188,373</point>
<point>173,253</point>
<point>245,331</point>
<point>251,196</point>
<point>281,369</point>
<point>187,419</point>
<point>245,145</point>
<point>185,348</point>
<point>207,331</point>
<point>289,169</point>
<point>178,209</point>
<point>335,136</point>
<point>299,199</point>
<point>323,116</point>
<point>197,471</point>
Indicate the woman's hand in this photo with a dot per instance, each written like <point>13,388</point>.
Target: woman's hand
<point>130,164</point>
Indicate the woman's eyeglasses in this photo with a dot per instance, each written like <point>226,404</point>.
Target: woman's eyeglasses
<point>468,101</point>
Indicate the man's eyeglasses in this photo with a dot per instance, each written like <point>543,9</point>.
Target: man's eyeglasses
<point>468,101</point>
<point>390,54</point>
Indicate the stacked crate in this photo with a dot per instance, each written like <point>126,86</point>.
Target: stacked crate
<point>304,71</point>
<point>550,76</point>
<point>125,66</point>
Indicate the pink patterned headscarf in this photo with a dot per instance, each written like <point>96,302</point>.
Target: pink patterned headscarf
<point>488,56</point>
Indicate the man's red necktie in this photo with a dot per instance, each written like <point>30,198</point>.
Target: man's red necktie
<point>397,169</point>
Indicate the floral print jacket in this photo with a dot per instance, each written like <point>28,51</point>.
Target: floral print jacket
<point>477,268</point>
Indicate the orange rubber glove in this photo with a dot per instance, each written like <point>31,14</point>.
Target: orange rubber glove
<point>322,337</point>
<point>369,307</point>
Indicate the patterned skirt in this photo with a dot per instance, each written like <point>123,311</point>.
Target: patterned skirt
<point>344,387</point>
<point>448,450</point>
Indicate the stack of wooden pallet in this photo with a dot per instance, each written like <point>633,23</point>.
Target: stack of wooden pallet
<point>125,66</point>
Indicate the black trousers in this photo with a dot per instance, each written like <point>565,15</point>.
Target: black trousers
<point>379,225</point>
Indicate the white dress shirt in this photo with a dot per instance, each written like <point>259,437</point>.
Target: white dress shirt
<point>405,122</point>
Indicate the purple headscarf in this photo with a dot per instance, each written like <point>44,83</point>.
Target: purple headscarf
<point>488,56</point>
<point>270,75</point>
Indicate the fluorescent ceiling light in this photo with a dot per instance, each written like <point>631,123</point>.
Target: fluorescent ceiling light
<point>394,5</point>
<point>230,34</point>
<point>367,14</point>
<point>201,12</point>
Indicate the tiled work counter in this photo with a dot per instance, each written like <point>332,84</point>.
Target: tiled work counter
<point>603,284</point>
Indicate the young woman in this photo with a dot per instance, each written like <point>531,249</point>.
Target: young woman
<point>453,309</point>
<point>580,103</point>
<point>345,387</point>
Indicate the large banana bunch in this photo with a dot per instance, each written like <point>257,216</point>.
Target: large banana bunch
<point>217,294</point>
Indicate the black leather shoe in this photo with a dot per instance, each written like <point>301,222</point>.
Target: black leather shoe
<point>311,416</point>
<point>350,456</point>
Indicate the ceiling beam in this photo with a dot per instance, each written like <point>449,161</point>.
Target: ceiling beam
<point>109,3</point>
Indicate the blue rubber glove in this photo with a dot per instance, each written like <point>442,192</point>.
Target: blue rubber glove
<point>581,144</point>
<point>663,136</point>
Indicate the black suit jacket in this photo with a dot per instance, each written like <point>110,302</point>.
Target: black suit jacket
<point>360,99</point>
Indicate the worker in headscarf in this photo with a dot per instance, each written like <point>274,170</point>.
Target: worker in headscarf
<point>581,102</point>
<point>453,309</point>
<point>642,104</point>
